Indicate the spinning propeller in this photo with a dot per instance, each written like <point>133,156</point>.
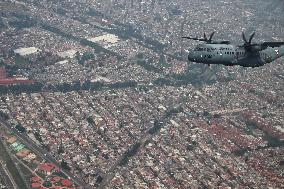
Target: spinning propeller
<point>254,47</point>
<point>248,43</point>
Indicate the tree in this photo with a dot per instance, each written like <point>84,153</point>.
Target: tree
<point>64,165</point>
<point>190,147</point>
<point>20,128</point>
<point>99,179</point>
<point>38,137</point>
<point>206,113</point>
<point>4,115</point>
<point>60,149</point>
<point>47,184</point>
<point>157,126</point>
<point>121,125</point>
<point>129,153</point>
<point>88,158</point>
<point>90,120</point>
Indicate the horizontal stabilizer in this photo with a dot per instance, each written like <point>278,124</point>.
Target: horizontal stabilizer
<point>194,38</point>
<point>272,44</point>
<point>205,38</point>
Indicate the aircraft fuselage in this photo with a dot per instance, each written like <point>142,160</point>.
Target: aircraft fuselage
<point>231,55</point>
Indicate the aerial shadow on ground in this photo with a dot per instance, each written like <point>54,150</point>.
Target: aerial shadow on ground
<point>201,74</point>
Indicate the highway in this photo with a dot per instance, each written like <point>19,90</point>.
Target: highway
<point>8,179</point>
<point>229,111</point>
<point>23,138</point>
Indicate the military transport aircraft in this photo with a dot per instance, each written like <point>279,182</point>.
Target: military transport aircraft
<point>223,52</point>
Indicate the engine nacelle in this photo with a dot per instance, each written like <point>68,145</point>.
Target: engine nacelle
<point>255,48</point>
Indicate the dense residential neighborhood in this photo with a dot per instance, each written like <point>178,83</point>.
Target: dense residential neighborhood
<point>99,94</point>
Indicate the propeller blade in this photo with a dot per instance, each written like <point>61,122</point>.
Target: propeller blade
<point>211,36</point>
<point>244,37</point>
<point>251,37</point>
<point>205,37</point>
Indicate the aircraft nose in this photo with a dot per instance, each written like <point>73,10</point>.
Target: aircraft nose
<point>191,56</point>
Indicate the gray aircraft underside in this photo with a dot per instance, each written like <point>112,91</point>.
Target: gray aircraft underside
<point>231,55</point>
<point>247,55</point>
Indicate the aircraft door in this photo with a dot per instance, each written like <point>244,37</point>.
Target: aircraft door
<point>220,56</point>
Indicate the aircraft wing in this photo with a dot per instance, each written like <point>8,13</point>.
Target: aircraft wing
<point>194,38</point>
<point>225,42</point>
<point>272,44</point>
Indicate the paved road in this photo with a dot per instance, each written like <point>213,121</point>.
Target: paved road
<point>8,179</point>
<point>23,138</point>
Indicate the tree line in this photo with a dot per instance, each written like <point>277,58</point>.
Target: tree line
<point>65,87</point>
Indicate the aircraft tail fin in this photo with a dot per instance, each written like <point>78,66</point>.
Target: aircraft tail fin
<point>273,44</point>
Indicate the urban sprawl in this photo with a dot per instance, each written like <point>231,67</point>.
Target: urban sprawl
<point>99,94</point>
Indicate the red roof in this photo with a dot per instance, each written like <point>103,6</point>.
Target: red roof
<point>56,187</point>
<point>10,81</point>
<point>66,182</point>
<point>36,179</point>
<point>56,179</point>
<point>36,185</point>
<point>48,167</point>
